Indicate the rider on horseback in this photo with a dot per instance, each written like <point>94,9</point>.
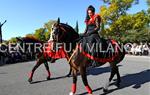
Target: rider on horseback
<point>92,27</point>
<point>92,22</point>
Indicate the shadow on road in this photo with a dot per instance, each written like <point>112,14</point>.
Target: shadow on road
<point>91,71</point>
<point>85,93</point>
<point>49,80</point>
<point>3,73</point>
<point>135,80</point>
<point>100,70</point>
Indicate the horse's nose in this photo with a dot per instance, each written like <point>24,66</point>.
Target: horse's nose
<point>54,33</point>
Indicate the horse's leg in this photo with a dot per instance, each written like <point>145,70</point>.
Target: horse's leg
<point>113,72</point>
<point>118,76</point>
<point>85,81</point>
<point>74,74</point>
<point>116,68</point>
<point>33,70</point>
<point>47,69</point>
<point>69,74</point>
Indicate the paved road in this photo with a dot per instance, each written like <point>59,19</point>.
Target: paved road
<point>135,74</point>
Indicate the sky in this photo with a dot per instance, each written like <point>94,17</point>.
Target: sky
<point>25,16</point>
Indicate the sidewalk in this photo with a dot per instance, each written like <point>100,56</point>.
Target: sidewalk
<point>128,55</point>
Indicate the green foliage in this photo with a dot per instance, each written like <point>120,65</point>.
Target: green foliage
<point>148,2</point>
<point>47,35</point>
<point>40,34</point>
<point>43,34</point>
<point>30,35</point>
<point>13,40</point>
<point>114,16</point>
<point>48,27</point>
<point>140,20</point>
<point>134,36</point>
<point>49,24</point>
<point>118,22</point>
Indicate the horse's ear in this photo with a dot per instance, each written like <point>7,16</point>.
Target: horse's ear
<point>58,21</point>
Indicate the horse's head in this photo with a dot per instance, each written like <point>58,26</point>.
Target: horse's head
<point>63,33</point>
<point>58,32</point>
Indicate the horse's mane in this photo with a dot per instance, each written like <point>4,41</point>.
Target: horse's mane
<point>68,27</point>
<point>71,32</point>
<point>31,39</point>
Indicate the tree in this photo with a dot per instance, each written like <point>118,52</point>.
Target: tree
<point>148,2</point>
<point>115,16</point>
<point>40,34</point>
<point>119,24</point>
<point>140,20</point>
<point>48,27</point>
<point>77,27</point>
<point>49,24</point>
<point>1,24</point>
<point>47,35</point>
<point>30,35</point>
<point>148,11</point>
<point>43,34</point>
<point>13,40</point>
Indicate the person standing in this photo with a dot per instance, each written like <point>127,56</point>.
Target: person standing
<point>1,30</point>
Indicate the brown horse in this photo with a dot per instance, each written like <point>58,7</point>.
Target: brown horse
<point>41,58</point>
<point>81,57</point>
<point>80,60</point>
<point>39,54</point>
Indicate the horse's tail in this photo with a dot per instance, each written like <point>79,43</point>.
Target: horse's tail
<point>33,39</point>
<point>29,40</point>
<point>120,51</point>
<point>70,61</point>
<point>33,42</point>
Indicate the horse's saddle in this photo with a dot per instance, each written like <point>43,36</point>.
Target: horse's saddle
<point>96,47</point>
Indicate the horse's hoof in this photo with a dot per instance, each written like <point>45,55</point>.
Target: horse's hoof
<point>53,60</point>
<point>68,75</point>
<point>48,78</point>
<point>30,80</point>
<point>118,85</point>
<point>105,90</point>
<point>71,93</point>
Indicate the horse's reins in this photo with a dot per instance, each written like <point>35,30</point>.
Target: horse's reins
<point>63,32</point>
<point>62,37</point>
<point>69,58</point>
